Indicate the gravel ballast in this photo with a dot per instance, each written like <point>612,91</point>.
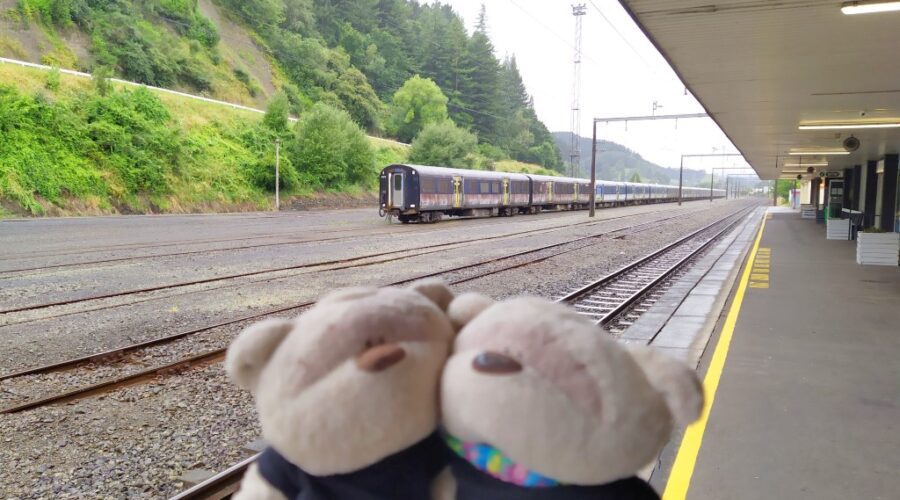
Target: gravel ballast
<point>138,441</point>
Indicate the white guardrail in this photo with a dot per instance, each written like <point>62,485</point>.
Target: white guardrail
<point>81,74</point>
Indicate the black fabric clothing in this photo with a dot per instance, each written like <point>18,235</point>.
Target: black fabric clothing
<point>406,475</point>
<point>473,484</point>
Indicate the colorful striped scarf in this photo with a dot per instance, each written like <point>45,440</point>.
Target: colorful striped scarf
<point>492,461</point>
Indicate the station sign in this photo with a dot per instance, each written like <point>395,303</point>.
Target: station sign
<point>832,175</point>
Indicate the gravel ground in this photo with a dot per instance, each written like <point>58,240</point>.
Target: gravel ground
<point>134,443</point>
<point>137,441</point>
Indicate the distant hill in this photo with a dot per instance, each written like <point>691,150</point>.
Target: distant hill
<point>615,162</point>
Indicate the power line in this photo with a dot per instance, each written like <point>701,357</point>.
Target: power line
<point>621,36</point>
<point>550,30</point>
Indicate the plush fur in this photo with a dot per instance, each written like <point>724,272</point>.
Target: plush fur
<point>351,381</point>
<point>582,409</point>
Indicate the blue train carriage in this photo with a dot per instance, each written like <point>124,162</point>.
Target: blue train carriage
<point>608,193</point>
<point>418,193</point>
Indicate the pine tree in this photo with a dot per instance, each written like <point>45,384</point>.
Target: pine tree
<point>481,88</point>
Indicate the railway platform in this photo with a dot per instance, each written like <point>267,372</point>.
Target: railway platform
<point>803,371</point>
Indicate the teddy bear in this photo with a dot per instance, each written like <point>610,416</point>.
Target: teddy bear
<point>347,395</point>
<point>538,403</point>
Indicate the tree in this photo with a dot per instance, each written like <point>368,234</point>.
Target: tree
<point>480,89</point>
<point>635,177</point>
<point>416,104</point>
<point>330,150</point>
<point>443,144</point>
<point>276,117</point>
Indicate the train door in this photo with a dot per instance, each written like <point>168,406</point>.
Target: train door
<point>395,181</point>
<point>457,192</point>
<point>506,191</point>
<point>549,191</point>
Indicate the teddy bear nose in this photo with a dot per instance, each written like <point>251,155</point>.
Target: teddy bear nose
<point>380,357</point>
<point>495,363</point>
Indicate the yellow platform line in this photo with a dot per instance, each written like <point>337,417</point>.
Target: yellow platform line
<point>683,468</point>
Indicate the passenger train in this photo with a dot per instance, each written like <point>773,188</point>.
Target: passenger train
<point>416,193</point>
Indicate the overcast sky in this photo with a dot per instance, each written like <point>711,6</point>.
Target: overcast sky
<point>622,74</point>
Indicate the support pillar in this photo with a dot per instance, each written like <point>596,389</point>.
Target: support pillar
<point>888,186</point>
<point>868,192</point>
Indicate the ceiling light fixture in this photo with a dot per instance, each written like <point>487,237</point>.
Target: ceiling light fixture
<point>821,164</point>
<point>821,152</point>
<point>869,7</point>
<point>845,126</point>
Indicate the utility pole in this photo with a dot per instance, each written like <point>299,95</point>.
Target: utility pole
<point>593,170</point>
<point>575,155</point>
<point>702,155</point>
<point>277,175</point>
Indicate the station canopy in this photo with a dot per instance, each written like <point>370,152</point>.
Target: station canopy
<point>763,68</point>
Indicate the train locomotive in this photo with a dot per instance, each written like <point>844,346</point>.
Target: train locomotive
<point>418,193</point>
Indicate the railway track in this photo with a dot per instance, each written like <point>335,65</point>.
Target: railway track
<point>672,257</point>
<point>330,265</point>
<point>219,486</point>
<point>608,299</point>
<point>506,263</point>
<point>293,238</point>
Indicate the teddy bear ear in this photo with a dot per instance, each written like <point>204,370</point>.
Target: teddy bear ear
<point>677,382</point>
<point>435,290</point>
<point>251,350</point>
<point>465,307</point>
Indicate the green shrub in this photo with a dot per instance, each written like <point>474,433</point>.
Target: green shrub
<point>259,168</point>
<point>52,81</point>
<point>331,151</point>
<point>100,76</point>
<point>131,129</point>
<point>203,31</point>
<point>276,117</point>
<point>444,144</point>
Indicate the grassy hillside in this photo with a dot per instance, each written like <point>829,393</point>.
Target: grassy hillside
<point>351,55</point>
<point>65,149</point>
<point>68,149</point>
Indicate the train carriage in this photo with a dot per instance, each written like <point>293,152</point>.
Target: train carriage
<point>426,194</point>
<point>609,192</point>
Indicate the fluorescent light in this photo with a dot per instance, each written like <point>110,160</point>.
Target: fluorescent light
<point>822,152</point>
<point>863,7</point>
<point>805,165</point>
<point>843,126</point>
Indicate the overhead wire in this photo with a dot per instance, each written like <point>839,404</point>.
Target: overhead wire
<point>621,36</point>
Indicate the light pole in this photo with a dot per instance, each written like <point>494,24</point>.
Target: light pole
<point>277,175</point>
<point>626,119</point>
<point>734,188</point>
<point>593,169</point>
<point>700,155</point>
<point>712,178</point>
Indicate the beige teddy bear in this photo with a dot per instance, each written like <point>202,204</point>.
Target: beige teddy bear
<point>347,395</point>
<point>540,404</point>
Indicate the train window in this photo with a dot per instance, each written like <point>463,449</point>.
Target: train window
<point>428,186</point>
<point>485,187</point>
<point>495,187</point>
<point>398,182</point>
